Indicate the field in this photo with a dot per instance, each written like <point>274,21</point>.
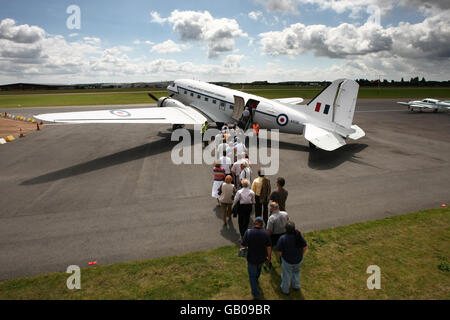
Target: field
<point>412,251</point>
<point>15,99</point>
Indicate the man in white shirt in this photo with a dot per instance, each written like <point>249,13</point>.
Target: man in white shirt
<point>246,199</point>
<point>245,172</point>
<point>226,163</point>
<point>221,148</point>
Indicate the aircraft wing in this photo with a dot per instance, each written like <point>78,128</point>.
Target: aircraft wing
<point>444,104</point>
<point>290,100</point>
<point>322,138</point>
<point>415,105</point>
<point>170,115</point>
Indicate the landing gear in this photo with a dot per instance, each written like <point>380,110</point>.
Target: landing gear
<point>219,125</point>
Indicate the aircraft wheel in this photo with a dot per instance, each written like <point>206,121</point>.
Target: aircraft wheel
<point>219,125</point>
<point>435,110</point>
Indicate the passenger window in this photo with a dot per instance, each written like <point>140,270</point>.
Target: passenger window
<point>231,107</point>
<point>199,97</point>
<point>206,99</point>
<point>185,92</point>
<point>222,104</point>
<point>214,101</point>
<point>192,94</point>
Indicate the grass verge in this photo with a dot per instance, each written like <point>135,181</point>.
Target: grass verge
<point>117,98</point>
<point>411,250</point>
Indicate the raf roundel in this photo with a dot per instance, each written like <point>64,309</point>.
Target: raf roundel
<point>282,120</point>
<point>120,113</point>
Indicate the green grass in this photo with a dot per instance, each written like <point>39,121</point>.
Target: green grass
<point>412,251</point>
<point>364,93</point>
<point>80,91</point>
<point>75,99</point>
<point>139,97</point>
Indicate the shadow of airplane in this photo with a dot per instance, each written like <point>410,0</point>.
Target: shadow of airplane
<point>324,160</point>
<point>318,159</point>
<point>147,150</point>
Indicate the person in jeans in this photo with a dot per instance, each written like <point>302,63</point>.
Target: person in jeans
<point>291,248</point>
<point>259,251</point>
<point>226,199</point>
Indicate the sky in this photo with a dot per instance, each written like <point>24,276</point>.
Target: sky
<point>79,41</point>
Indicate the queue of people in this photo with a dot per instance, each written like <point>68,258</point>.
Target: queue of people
<point>272,230</point>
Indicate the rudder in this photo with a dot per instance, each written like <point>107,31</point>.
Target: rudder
<point>335,106</point>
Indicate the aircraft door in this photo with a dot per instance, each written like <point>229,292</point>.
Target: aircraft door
<point>239,105</point>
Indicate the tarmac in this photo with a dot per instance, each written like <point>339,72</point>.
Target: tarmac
<point>71,194</point>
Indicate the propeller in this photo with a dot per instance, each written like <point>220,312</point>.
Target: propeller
<point>153,97</point>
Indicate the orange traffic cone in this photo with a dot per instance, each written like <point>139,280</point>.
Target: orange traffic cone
<point>21,133</point>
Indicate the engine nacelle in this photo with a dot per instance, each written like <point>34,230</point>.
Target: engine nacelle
<point>169,102</point>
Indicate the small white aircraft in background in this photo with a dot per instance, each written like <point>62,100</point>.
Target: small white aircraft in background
<point>427,104</point>
<point>326,121</point>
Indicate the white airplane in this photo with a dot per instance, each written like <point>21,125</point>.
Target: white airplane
<point>325,122</point>
<point>427,104</point>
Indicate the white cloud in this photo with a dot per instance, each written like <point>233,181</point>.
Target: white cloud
<point>156,18</point>
<point>334,42</point>
<point>232,61</point>
<point>219,34</point>
<point>167,47</point>
<point>420,48</point>
<point>255,15</point>
<point>355,7</point>
<point>287,6</point>
<point>20,34</point>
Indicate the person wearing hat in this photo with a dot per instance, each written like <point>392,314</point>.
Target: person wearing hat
<point>257,240</point>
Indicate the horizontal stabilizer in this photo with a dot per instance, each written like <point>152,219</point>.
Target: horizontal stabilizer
<point>323,139</point>
<point>293,101</point>
<point>359,133</point>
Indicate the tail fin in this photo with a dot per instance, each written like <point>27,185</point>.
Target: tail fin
<point>331,113</point>
<point>334,106</point>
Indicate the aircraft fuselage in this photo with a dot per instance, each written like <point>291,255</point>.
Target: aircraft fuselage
<point>218,102</point>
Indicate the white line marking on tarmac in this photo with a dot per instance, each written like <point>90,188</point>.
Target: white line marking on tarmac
<point>382,111</point>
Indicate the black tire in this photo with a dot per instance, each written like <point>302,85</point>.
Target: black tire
<point>219,125</point>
